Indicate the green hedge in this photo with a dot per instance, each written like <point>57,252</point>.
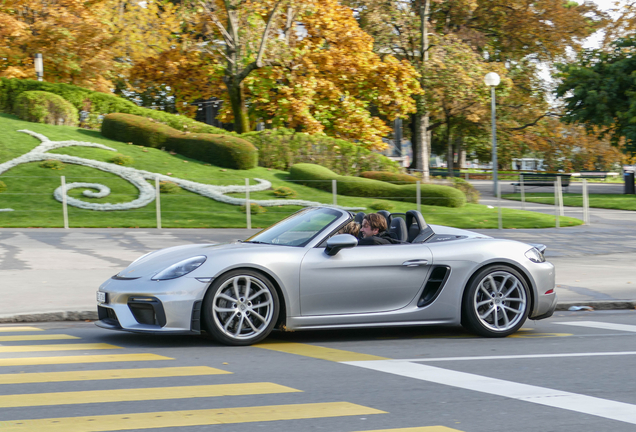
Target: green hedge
<point>45,107</point>
<point>389,176</point>
<point>282,148</point>
<point>320,177</point>
<point>220,150</point>
<point>97,104</point>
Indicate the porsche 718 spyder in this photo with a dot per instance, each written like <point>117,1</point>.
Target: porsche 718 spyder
<point>300,274</point>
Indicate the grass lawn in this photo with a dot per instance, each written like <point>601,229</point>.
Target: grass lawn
<point>30,190</point>
<point>608,201</point>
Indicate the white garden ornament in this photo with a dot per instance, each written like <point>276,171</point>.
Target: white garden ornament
<point>139,178</point>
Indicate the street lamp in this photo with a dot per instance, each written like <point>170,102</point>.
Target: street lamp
<point>493,80</point>
<point>39,66</point>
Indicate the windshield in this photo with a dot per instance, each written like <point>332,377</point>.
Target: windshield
<point>298,229</point>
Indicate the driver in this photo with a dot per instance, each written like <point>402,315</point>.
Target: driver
<point>374,231</point>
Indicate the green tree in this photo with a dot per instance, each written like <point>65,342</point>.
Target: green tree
<point>598,91</point>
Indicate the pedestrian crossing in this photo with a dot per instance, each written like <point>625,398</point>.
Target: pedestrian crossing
<point>89,402</point>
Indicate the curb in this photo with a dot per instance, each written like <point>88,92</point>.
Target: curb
<point>50,316</point>
<point>92,315</point>
<point>599,304</point>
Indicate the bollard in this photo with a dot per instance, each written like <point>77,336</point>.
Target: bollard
<point>499,217</point>
<point>523,192</point>
<point>158,202</point>
<point>334,190</point>
<point>418,198</point>
<point>560,194</point>
<point>64,206</point>
<point>248,207</point>
<point>556,205</point>
<point>586,204</point>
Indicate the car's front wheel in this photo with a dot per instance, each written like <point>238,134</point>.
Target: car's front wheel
<point>496,302</point>
<point>240,308</point>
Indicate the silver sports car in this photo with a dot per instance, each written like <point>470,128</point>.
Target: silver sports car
<point>301,274</point>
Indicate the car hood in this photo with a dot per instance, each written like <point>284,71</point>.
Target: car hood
<point>154,262</point>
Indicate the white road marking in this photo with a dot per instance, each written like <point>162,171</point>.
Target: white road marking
<point>519,356</point>
<point>528,393</point>
<point>600,325</point>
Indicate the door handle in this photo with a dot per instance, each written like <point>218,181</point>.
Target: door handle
<point>415,263</point>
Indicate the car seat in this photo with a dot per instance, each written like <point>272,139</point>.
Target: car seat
<point>359,217</point>
<point>387,216</point>
<point>399,230</point>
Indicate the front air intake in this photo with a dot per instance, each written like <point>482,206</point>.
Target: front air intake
<point>434,285</point>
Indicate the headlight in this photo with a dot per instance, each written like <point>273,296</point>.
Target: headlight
<point>181,268</point>
<point>535,256</point>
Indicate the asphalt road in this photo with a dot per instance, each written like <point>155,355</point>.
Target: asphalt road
<point>572,372</point>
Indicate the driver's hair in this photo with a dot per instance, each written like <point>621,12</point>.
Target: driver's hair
<point>376,221</point>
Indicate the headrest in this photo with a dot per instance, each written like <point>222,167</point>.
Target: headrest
<point>398,229</point>
<point>387,216</point>
<point>359,217</point>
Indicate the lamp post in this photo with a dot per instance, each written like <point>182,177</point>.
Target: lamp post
<point>39,66</point>
<point>493,80</point>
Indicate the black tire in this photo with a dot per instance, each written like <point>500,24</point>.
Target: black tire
<point>497,311</point>
<point>240,318</point>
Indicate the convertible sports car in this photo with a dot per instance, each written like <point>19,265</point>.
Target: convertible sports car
<point>300,274</point>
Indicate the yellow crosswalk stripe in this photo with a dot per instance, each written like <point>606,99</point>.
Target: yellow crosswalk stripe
<point>18,329</point>
<point>39,361</point>
<point>47,377</point>
<point>204,417</point>
<point>418,429</point>
<point>38,337</point>
<point>141,394</point>
<point>56,347</point>
<point>331,354</point>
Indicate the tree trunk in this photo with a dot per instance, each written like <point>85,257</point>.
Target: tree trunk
<point>239,110</point>
<point>450,154</point>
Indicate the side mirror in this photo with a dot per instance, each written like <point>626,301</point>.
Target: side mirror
<point>340,241</point>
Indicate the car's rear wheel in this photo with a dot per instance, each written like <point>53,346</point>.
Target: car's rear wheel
<point>240,308</point>
<point>496,302</point>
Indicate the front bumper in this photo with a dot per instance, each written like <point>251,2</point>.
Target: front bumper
<point>146,306</point>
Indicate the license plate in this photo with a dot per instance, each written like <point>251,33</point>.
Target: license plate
<point>101,297</point>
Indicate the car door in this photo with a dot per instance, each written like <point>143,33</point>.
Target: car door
<point>364,279</point>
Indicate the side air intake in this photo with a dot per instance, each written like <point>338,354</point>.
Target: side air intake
<point>434,285</point>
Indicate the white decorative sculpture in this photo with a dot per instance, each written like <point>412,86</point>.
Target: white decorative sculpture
<point>135,176</point>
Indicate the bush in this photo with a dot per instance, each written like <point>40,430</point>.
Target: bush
<point>254,209</point>
<point>45,107</point>
<point>121,159</point>
<point>382,205</point>
<point>52,164</point>
<point>167,187</point>
<point>3,186</point>
<point>320,177</point>
<point>390,177</point>
<point>282,148</point>
<point>472,194</point>
<point>220,150</point>
<point>97,104</point>
<point>284,192</point>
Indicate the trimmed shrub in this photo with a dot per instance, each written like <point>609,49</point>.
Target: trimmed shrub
<point>52,164</point>
<point>97,104</point>
<point>121,159</point>
<point>45,107</point>
<point>282,148</point>
<point>254,209</point>
<point>284,192</point>
<point>472,194</point>
<point>382,205</point>
<point>320,177</point>
<point>390,177</point>
<point>3,186</point>
<point>167,187</point>
<point>220,150</point>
